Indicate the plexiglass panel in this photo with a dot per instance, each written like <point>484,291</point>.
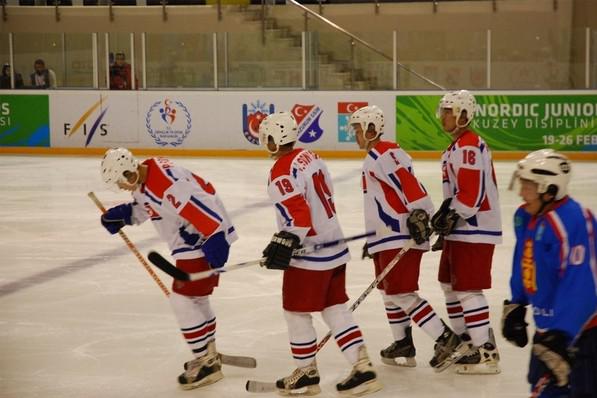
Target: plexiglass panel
<point>254,60</point>
<point>179,60</point>
<point>47,51</point>
<point>120,50</point>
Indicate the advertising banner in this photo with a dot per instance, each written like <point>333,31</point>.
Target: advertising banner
<point>507,122</point>
<point>24,120</point>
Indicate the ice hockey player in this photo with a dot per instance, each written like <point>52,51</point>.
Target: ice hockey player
<point>189,216</point>
<point>469,224</point>
<point>554,270</point>
<point>300,188</point>
<point>393,199</point>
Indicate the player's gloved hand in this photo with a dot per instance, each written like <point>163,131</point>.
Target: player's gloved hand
<point>189,238</point>
<point>514,327</point>
<point>279,251</point>
<point>551,349</point>
<point>117,217</point>
<point>444,220</point>
<point>365,253</point>
<point>216,250</point>
<point>439,244</point>
<point>418,226</point>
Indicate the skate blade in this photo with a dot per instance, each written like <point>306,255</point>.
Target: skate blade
<point>406,362</point>
<point>212,378</point>
<point>301,392</point>
<point>478,369</point>
<point>368,387</point>
<point>458,353</point>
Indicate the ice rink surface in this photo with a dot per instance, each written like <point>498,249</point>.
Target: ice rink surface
<point>80,317</point>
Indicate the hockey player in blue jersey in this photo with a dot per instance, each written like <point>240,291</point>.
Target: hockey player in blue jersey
<point>555,271</point>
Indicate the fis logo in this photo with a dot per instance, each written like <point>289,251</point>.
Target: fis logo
<point>82,123</point>
<point>307,117</point>
<point>253,115</point>
<point>345,109</point>
<point>168,122</point>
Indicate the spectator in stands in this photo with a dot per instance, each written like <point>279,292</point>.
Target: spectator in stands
<point>42,78</point>
<point>5,78</point>
<point>120,73</point>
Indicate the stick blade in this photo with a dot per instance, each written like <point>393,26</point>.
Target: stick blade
<point>159,261</point>
<point>260,386</point>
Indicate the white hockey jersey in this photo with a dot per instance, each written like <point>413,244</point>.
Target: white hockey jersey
<point>179,204</point>
<point>469,179</point>
<point>391,191</point>
<point>301,189</point>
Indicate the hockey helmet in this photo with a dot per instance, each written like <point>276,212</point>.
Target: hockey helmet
<point>458,101</point>
<point>281,126</point>
<point>366,116</point>
<point>115,163</point>
<point>549,169</point>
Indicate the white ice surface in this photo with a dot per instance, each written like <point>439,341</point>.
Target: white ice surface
<point>80,317</point>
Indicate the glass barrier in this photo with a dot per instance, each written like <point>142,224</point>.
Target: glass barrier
<point>4,61</point>
<point>532,59</point>
<point>179,60</point>
<point>254,60</point>
<point>121,51</point>
<point>40,58</point>
<point>593,59</point>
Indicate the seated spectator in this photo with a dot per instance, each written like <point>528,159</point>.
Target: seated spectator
<point>120,73</point>
<point>42,78</point>
<point>5,78</point>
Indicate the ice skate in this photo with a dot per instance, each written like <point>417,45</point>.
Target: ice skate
<point>362,379</point>
<point>303,381</point>
<point>480,360</point>
<point>203,370</point>
<point>400,353</point>
<point>449,348</point>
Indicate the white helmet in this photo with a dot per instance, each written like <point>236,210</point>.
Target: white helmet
<point>458,101</point>
<point>549,169</point>
<point>116,161</point>
<point>281,126</point>
<point>368,115</point>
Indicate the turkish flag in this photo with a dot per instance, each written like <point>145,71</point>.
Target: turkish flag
<point>300,111</point>
<point>350,107</point>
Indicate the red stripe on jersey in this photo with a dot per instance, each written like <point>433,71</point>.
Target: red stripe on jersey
<point>349,337</point>
<point>157,180</point>
<point>201,332</point>
<point>299,211</point>
<point>469,185</point>
<point>282,165</point>
<point>391,197</point>
<point>396,315</point>
<point>206,186</point>
<point>383,146</point>
<point>423,312</point>
<point>468,138</point>
<point>304,350</point>
<point>410,186</point>
<point>476,318</point>
<point>200,220</point>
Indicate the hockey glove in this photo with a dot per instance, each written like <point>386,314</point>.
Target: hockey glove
<point>189,238</point>
<point>117,217</point>
<point>551,349</point>
<point>444,220</point>
<point>365,253</point>
<point>514,327</point>
<point>216,250</point>
<point>279,251</point>
<point>418,226</point>
<point>439,244</point>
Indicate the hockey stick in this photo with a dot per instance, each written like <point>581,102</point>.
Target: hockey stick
<point>541,385</point>
<point>232,360</point>
<point>159,261</point>
<point>261,386</point>
<point>132,247</point>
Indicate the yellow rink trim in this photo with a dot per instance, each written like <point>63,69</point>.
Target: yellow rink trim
<point>238,153</point>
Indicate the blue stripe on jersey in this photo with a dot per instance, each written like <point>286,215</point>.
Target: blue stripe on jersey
<point>294,172</point>
<point>284,214</point>
<point>230,230</point>
<point>152,198</point>
<point>478,232</point>
<point>388,239</point>
<point>186,249</point>
<point>395,180</point>
<point>373,154</point>
<point>169,172</point>
<point>388,220</point>
<point>482,194</point>
<point>323,259</point>
<point>206,209</point>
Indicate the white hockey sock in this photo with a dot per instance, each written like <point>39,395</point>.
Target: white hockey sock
<point>397,318</point>
<point>302,336</point>
<point>196,320</point>
<point>344,329</point>
<point>454,309</point>
<point>476,316</point>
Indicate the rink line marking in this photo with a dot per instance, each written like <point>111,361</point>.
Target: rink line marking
<point>241,153</point>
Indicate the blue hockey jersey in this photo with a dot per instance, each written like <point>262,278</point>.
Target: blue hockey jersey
<point>555,266</point>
